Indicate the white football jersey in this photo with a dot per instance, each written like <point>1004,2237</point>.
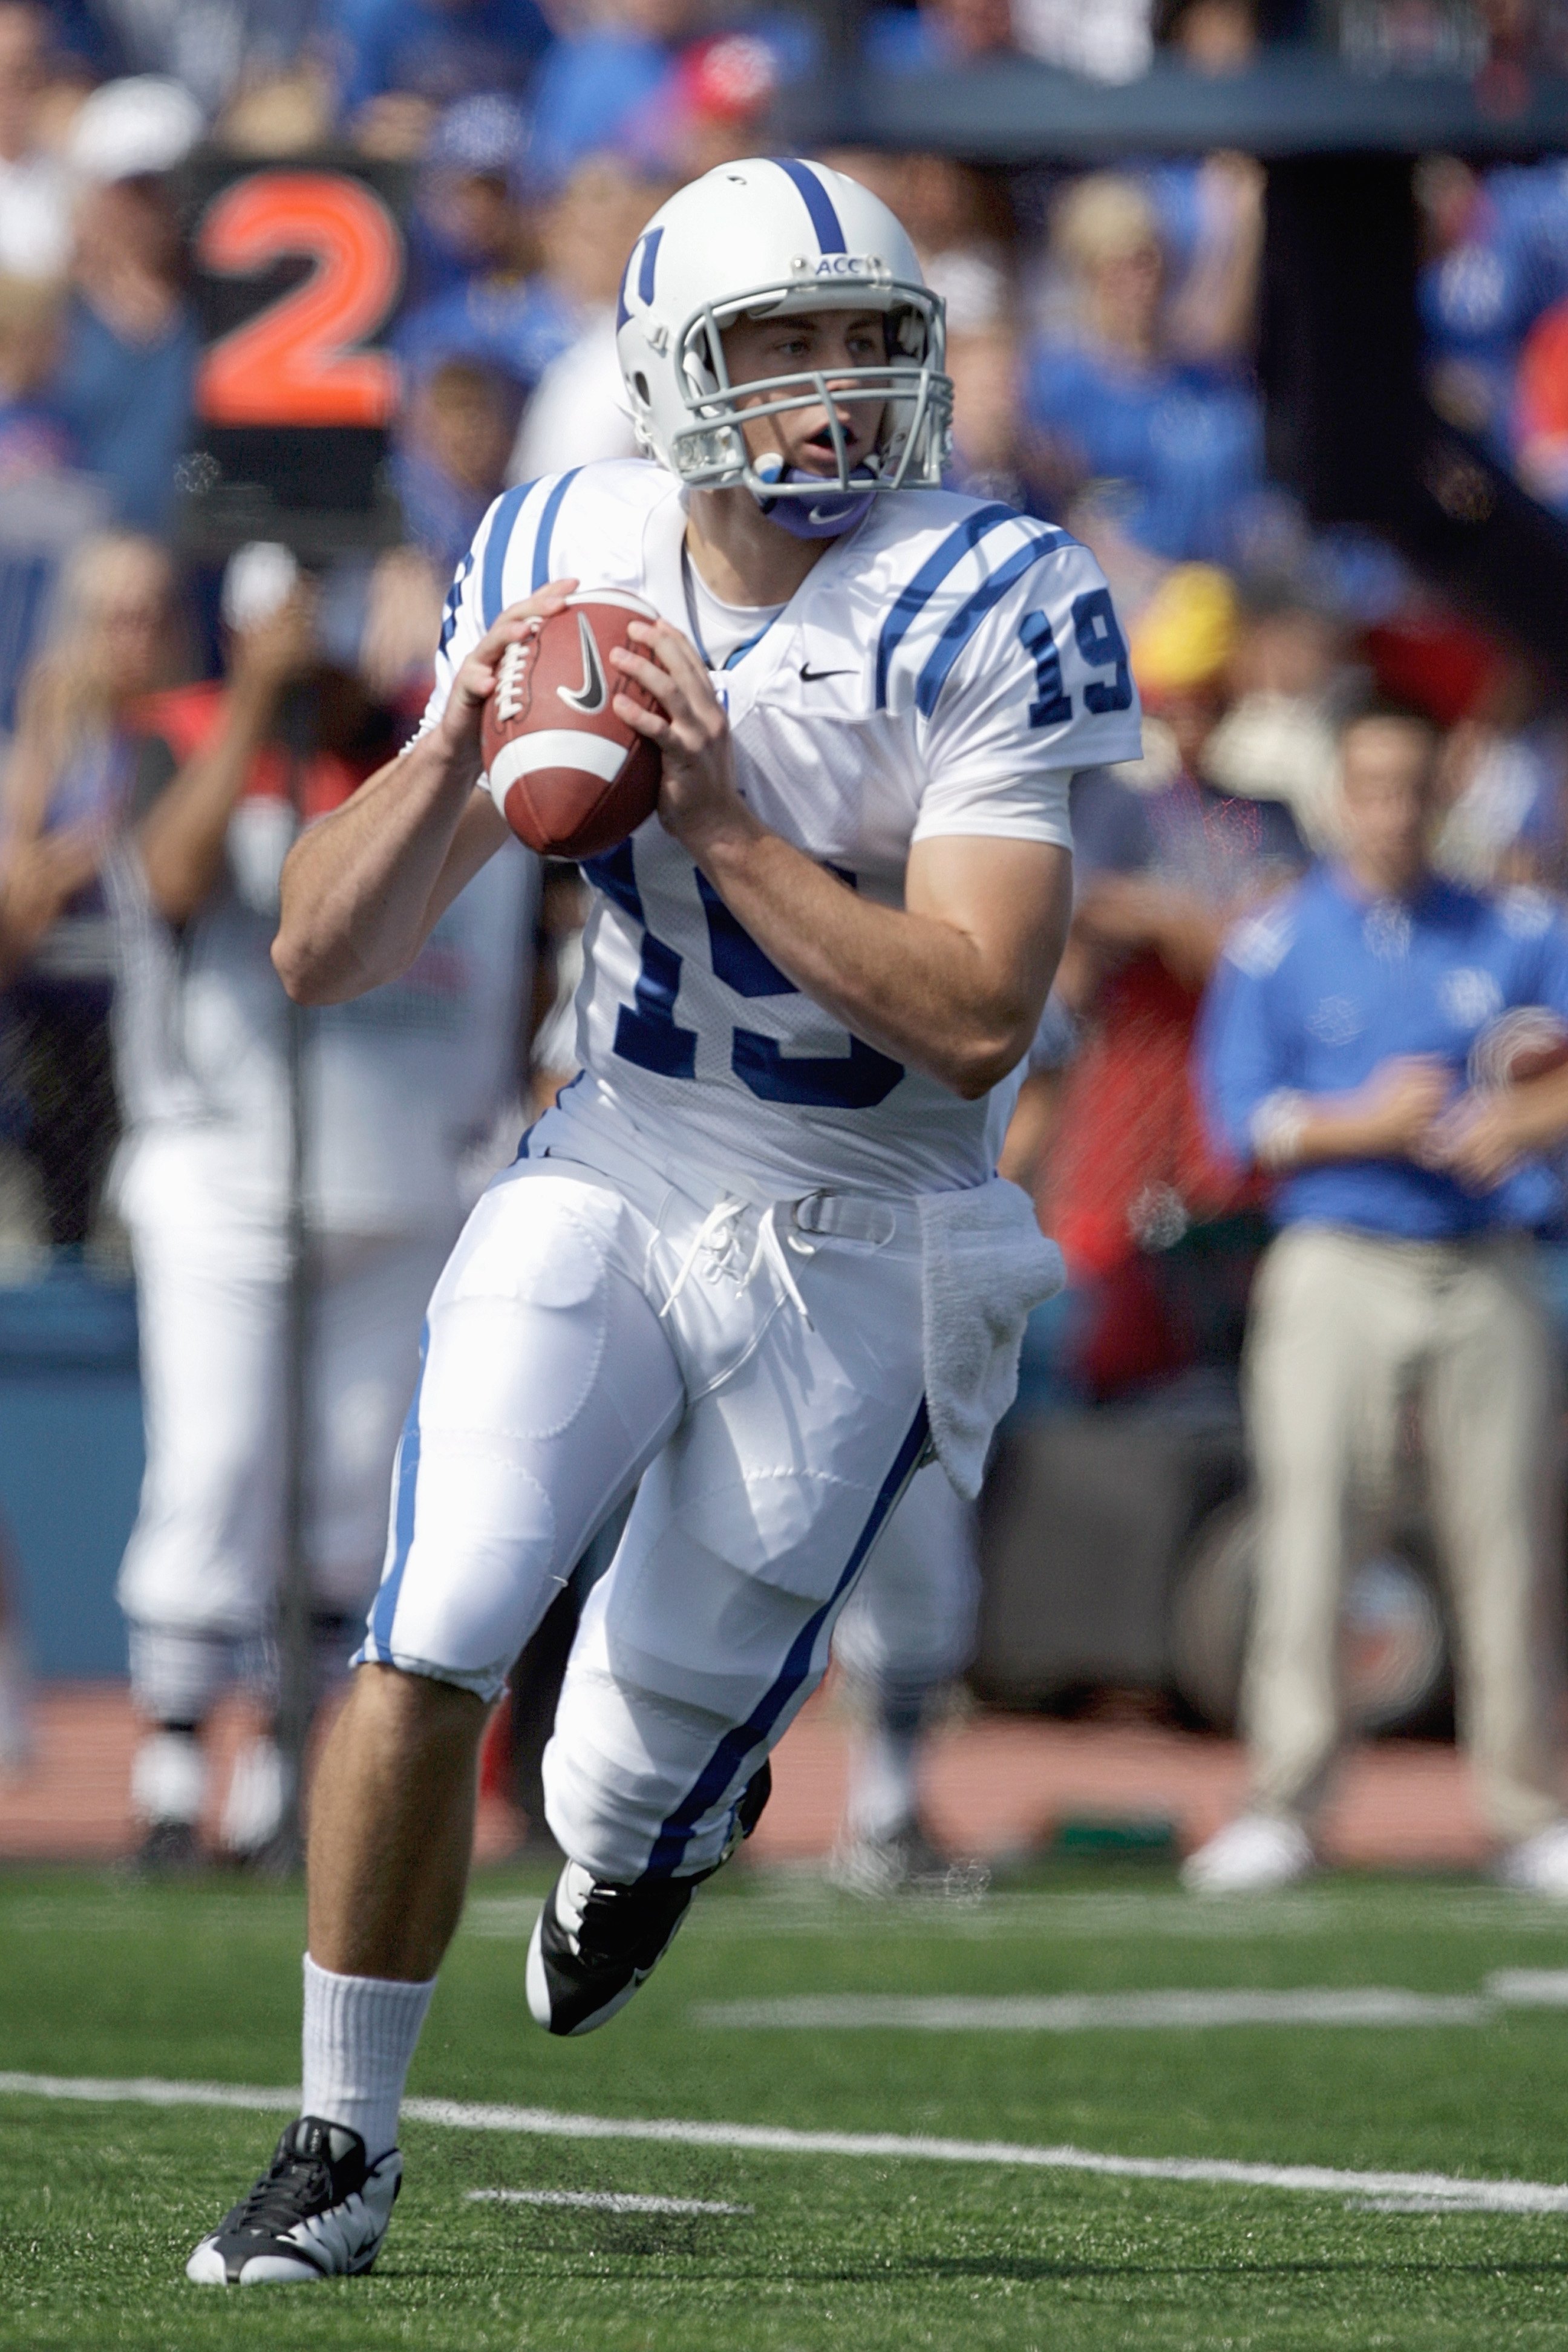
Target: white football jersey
<point>943,670</point>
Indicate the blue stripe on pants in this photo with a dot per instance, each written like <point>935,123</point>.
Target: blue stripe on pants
<point>406,1479</point>
<point>731,1755</point>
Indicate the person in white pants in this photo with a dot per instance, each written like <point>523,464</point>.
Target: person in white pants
<point>907,1630</point>
<point>394,1090</point>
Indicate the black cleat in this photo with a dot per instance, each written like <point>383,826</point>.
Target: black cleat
<point>318,2211</point>
<point>169,1850</point>
<point>593,1943</point>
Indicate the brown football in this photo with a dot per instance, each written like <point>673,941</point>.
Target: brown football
<point>569,776</point>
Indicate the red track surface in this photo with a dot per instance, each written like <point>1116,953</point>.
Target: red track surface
<point>994,1783</point>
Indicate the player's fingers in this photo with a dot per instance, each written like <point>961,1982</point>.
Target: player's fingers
<point>519,618</point>
<point>659,682</point>
<point>698,718</point>
<point>640,720</point>
<point>678,656</point>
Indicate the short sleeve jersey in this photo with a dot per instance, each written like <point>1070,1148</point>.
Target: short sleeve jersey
<point>943,671</point>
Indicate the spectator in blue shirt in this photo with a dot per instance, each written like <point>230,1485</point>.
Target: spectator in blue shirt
<point>1355,1044</point>
<point>937,34</point>
<point>438,50</point>
<point>1175,440</point>
<point>124,385</point>
<point>595,85</point>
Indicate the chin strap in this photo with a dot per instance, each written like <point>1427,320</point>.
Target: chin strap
<point>827,517</point>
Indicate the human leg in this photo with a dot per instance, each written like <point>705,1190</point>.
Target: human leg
<point>1335,1324</point>
<point>368,1296</point>
<point>198,1574</point>
<point>713,1624</point>
<point>1493,1456</point>
<point>907,1628</point>
<point>547,1383</point>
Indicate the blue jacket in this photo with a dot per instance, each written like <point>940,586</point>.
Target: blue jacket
<point>1317,989</point>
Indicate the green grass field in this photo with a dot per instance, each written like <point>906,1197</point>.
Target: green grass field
<point>99,2201</point>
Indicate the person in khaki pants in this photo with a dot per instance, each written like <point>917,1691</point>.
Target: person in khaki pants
<point>1362,1041</point>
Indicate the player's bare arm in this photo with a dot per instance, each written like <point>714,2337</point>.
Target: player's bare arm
<point>183,838</point>
<point>363,890</point>
<point>953,982</point>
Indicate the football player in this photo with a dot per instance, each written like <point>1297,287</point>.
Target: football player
<point>756,1257</point>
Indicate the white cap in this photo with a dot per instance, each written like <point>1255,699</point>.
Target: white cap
<point>147,122</point>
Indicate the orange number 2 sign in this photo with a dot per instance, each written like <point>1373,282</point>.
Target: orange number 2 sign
<point>294,362</point>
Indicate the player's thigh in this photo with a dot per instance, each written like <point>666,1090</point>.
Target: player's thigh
<point>367,1313</point>
<point>911,1616</point>
<point>752,1528</point>
<point>546,1387</point>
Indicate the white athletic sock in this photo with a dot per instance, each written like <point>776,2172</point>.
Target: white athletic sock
<point>359,2035</point>
<point>883,1791</point>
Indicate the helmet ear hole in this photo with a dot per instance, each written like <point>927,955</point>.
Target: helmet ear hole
<point>639,385</point>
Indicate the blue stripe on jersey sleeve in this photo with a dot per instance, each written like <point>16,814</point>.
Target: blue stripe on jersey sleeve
<point>969,615</point>
<point>916,595</point>
<point>547,528</point>
<point>502,523</point>
<point>824,220</point>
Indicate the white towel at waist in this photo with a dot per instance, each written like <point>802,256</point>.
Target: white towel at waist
<point>986,1263</point>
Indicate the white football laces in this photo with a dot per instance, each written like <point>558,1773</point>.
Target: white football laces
<point>509,675</point>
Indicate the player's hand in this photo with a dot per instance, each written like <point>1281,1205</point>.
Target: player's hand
<point>267,655</point>
<point>1479,1141</point>
<point>1402,1103</point>
<point>698,798</point>
<point>459,729</point>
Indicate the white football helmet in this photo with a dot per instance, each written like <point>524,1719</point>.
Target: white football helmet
<point>759,238</point>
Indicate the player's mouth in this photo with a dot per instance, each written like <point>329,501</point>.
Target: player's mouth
<point>817,455</point>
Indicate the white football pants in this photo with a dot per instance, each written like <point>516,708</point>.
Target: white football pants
<point>212,1304</point>
<point>758,1367</point>
<point>909,1623</point>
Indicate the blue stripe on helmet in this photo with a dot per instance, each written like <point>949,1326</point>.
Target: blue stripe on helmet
<point>643,257</point>
<point>825,221</point>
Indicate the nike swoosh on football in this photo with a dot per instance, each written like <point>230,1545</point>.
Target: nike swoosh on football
<point>592,695</point>
<point>811,676</point>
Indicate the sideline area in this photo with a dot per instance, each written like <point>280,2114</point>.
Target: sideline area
<point>997,1783</point>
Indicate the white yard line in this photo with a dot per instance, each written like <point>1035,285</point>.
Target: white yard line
<point>1089,2012</point>
<point>1100,2012</point>
<point>600,2200</point>
<point>1436,2191</point>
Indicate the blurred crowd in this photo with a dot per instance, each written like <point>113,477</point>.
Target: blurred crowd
<point>1101,344</point>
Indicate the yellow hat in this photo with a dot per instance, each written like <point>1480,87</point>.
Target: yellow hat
<point>1186,632</point>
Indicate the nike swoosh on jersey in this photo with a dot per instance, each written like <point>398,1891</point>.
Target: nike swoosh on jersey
<point>593,694</point>
<point>811,676</point>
